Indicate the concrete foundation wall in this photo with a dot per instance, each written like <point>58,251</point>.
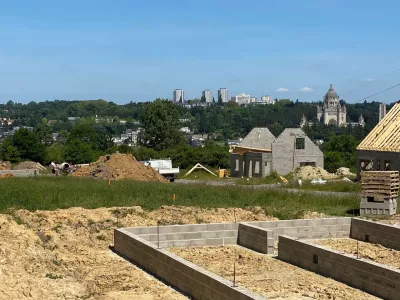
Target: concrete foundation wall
<point>256,238</point>
<point>176,271</point>
<point>189,235</point>
<point>307,228</point>
<point>386,235</point>
<point>20,173</point>
<point>368,276</point>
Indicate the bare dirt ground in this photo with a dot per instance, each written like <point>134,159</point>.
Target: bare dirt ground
<point>64,254</point>
<point>268,276</point>
<point>374,252</point>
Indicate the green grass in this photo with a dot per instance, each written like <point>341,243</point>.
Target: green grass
<point>50,193</point>
<point>330,186</point>
<point>274,178</point>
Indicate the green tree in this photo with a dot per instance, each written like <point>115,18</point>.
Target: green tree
<point>78,152</point>
<point>28,145</point>
<point>8,152</point>
<point>332,161</point>
<point>160,125</point>
<point>220,100</point>
<point>340,151</point>
<point>55,153</point>
<point>43,131</point>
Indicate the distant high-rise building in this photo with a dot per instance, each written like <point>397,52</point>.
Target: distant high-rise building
<point>178,96</point>
<point>267,100</point>
<point>223,95</point>
<point>253,99</point>
<point>382,111</point>
<point>207,95</point>
<point>241,99</point>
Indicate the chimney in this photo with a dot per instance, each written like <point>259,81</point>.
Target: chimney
<point>382,111</point>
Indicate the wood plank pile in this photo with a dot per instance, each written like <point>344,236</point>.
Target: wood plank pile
<point>380,184</point>
<point>379,191</point>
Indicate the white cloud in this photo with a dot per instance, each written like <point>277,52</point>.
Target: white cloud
<point>306,89</point>
<point>281,90</point>
<point>369,79</point>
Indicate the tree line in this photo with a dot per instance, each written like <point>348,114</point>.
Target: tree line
<point>85,140</point>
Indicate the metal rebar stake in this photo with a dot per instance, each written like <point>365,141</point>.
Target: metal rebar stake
<point>357,250</point>
<point>234,273</point>
<point>158,234</point>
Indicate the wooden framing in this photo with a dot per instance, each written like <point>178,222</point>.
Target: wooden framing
<point>386,135</point>
<point>199,166</point>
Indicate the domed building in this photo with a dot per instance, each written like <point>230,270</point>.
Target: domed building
<point>332,112</point>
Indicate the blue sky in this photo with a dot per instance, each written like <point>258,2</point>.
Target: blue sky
<point>129,50</point>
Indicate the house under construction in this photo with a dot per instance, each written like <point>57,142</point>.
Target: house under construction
<point>260,153</point>
<point>380,150</point>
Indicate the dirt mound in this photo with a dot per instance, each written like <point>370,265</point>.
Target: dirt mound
<point>119,166</point>
<point>5,165</point>
<point>64,254</point>
<point>344,172</point>
<point>29,165</point>
<point>309,173</point>
<point>6,175</point>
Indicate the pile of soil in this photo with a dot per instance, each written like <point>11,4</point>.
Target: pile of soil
<point>119,166</point>
<point>29,165</point>
<point>5,165</point>
<point>6,175</point>
<point>344,172</point>
<point>64,254</point>
<point>309,173</point>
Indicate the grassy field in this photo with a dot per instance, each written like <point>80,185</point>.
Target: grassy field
<point>331,186</point>
<point>49,193</point>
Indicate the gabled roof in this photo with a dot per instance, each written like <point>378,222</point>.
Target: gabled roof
<point>260,138</point>
<point>386,135</point>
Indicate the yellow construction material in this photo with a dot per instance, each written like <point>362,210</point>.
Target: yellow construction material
<point>386,135</point>
<point>221,173</point>
<point>283,179</point>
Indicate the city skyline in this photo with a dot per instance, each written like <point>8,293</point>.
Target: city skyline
<point>287,49</point>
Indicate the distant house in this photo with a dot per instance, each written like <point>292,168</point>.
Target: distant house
<point>380,150</point>
<point>253,156</point>
<point>260,153</point>
<point>72,119</point>
<point>293,149</point>
<point>184,129</point>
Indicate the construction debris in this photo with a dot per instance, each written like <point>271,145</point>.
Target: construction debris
<point>119,166</point>
<point>309,173</point>
<point>344,172</point>
<point>5,165</point>
<point>29,165</point>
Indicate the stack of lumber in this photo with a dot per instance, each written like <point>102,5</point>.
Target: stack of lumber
<point>380,184</point>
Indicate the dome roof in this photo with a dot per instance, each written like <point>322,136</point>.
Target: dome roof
<point>331,93</point>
